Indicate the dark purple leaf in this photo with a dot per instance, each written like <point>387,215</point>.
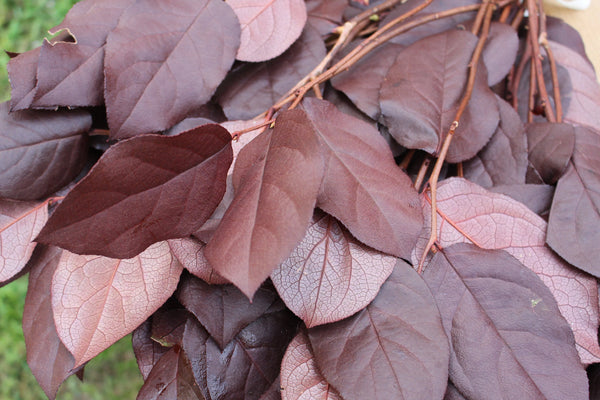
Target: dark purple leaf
<point>563,33</point>
<point>273,203</point>
<point>325,15</point>
<point>254,88</point>
<point>172,185</point>
<point>575,214</point>
<point>363,187</point>
<point>550,148</point>
<point>524,347</point>
<point>40,151</point>
<point>186,125</point>
<point>269,27</point>
<point>22,71</point>
<point>538,198</point>
<point>395,348</point>
<point>500,51</point>
<point>156,64</point>
<point>147,351</point>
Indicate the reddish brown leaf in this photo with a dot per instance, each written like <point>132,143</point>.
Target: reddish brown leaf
<point>504,159</point>
<point>22,73</point>
<point>223,310</point>
<point>550,148</point>
<point>48,359</point>
<point>488,297</point>
<point>538,198</point>
<point>423,90</point>
<point>330,275</point>
<point>40,151</point>
<point>190,253</point>
<point>563,33</point>
<point>150,81</point>
<point>269,27</point>
<point>573,226</point>
<point>147,351</point>
<point>325,15</point>
<point>171,378</point>
<point>172,185</point>
<point>20,222</point>
<point>254,88</point>
<point>300,377</point>
<point>363,187</point>
<point>500,51</point>
<point>71,73</point>
<point>395,348</point>
<point>470,214</point>
<point>98,300</point>
<point>273,203</point>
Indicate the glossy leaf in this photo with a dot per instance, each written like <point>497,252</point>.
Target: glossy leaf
<point>254,88</point>
<point>20,222</point>
<point>273,203</point>
<point>98,300</point>
<point>362,186</point>
<point>504,159</point>
<point>22,73</point>
<point>575,214</point>
<point>71,73</point>
<point>300,377</point>
<point>488,297</point>
<point>470,214</point>
<point>550,148</point>
<point>190,253</point>
<point>223,310</point>
<point>48,359</point>
<point>172,185</point>
<point>269,27</point>
<point>156,68</point>
<point>40,151</point>
<point>330,275</point>
<point>395,348</point>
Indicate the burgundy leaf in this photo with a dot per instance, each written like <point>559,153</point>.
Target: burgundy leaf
<point>575,214</point>
<point>538,198</point>
<point>71,73</point>
<point>98,300</point>
<point>273,392</point>
<point>395,348</point>
<point>422,93</point>
<point>269,27</point>
<point>48,359</point>
<point>550,148</point>
<point>20,222</point>
<point>187,125</point>
<point>156,68</point>
<point>171,186</point>
<point>147,351</point>
<point>254,88</point>
<point>190,253</point>
<point>41,151</point>
<point>561,32</point>
<point>470,214</point>
<point>500,51</point>
<point>330,275</point>
<point>300,377</point>
<point>325,15</point>
<point>504,159</point>
<point>363,187</point>
<point>168,325</point>
<point>22,75</point>
<point>171,378</point>
<point>488,297</point>
<point>223,310</point>
<point>273,203</point>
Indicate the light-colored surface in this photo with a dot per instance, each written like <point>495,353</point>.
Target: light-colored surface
<point>587,23</point>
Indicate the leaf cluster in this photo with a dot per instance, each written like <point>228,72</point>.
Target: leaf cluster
<point>318,199</point>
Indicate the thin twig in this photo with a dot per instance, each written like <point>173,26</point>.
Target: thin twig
<point>407,159</point>
<point>422,172</point>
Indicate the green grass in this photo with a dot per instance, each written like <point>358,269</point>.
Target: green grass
<point>111,375</point>
<point>23,26</point>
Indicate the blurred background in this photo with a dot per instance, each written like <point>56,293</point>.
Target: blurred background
<point>114,373</point>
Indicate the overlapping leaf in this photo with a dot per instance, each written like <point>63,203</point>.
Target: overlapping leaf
<point>98,300</point>
<point>190,253</point>
<point>254,88</point>
<point>20,222</point>
<point>469,213</point>
<point>500,51</point>
<point>550,148</point>
<point>488,297</point>
<point>156,68</point>
<point>40,151</point>
<point>300,377</point>
<point>330,275</point>
<point>147,351</point>
<point>395,348</point>
<point>22,73</point>
<point>144,190</point>
<point>269,27</point>
<point>538,198</point>
<point>273,203</point>
<point>325,15</point>
<point>362,186</point>
<point>575,214</point>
